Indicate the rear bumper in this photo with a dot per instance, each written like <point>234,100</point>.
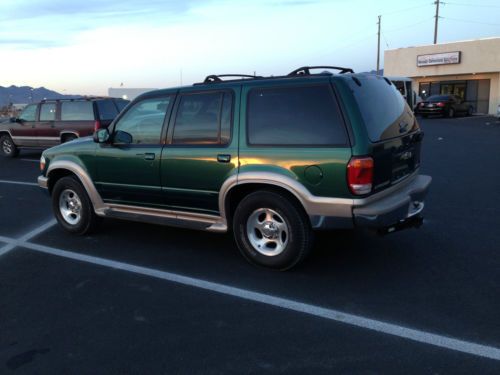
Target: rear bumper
<point>430,111</point>
<point>395,210</point>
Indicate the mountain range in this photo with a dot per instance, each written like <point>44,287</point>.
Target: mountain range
<point>27,94</point>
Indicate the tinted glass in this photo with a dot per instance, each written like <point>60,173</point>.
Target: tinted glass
<point>382,106</point>
<point>28,113</point>
<point>77,111</point>
<point>305,115</point>
<point>144,120</point>
<point>48,112</point>
<point>120,104</point>
<point>203,119</point>
<point>107,109</point>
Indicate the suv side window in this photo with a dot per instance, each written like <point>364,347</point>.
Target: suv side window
<point>48,112</point>
<point>77,111</point>
<point>144,120</point>
<point>203,119</point>
<point>300,115</point>
<point>28,113</point>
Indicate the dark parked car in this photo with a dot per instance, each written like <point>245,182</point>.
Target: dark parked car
<point>444,105</point>
<point>51,122</point>
<point>270,158</point>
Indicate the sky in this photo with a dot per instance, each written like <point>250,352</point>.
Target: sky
<point>85,47</point>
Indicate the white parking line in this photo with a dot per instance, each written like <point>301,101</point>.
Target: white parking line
<point>313,310</point>
<point>18,182</point>
<point>32,160</point>
<point>12,243</point>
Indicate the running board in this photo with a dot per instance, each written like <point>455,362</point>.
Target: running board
<point>181,219</point>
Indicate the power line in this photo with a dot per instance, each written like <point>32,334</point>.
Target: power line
<point>406,9</point>
<point>473,5</point>
<point>470,21</point>
<point>410,25</point>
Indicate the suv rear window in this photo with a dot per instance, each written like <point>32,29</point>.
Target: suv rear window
<point>77,111</point>
<point>300,115</point>
<point>382,106</point>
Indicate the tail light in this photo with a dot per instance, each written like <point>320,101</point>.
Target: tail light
<point>97,125</point>
<point>440,104</point>
<point>360,175</point>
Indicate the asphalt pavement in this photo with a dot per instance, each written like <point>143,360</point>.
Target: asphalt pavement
<point>136,298</point>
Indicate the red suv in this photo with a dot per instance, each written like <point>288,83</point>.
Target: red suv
<point>51,122</point>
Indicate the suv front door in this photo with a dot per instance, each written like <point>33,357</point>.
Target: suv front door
<point>23,131</point>
<point>201,152</point>
<point>128,168</point>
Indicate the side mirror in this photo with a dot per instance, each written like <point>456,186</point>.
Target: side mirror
<point>101,136</point>
<point>121,137</point>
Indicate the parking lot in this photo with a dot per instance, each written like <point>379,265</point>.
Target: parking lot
<point>137,298</point>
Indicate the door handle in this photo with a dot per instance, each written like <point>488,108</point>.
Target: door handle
<point>223,158</point>
<point>147,155</point>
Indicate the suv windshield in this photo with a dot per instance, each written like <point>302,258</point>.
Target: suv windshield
<point>382,107</point>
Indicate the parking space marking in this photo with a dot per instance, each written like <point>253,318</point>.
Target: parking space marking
<point>284,303</point>
<point>18,183</point>
<point>32,160</point>
<point>13,243</point>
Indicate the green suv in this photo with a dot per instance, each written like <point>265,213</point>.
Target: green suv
<point>272,158</point>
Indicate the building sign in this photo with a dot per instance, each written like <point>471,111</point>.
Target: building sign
<point>439,59</point>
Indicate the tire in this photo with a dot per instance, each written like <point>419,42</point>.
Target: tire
<point>68,138</point>
<point>470,110</point>
<point>72,206</point>
<point>450,113</point>
<point>7,146</point>
<point>289,235</point>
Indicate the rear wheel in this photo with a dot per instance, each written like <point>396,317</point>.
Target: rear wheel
<point>72,206</point>
<point>7,146</point>
<point>271,230</point>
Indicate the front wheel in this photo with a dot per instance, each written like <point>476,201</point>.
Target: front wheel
<point>271,230</point>
<point>470,110</point>
<point>72,206</point>
<point>450,113</point>
<point>7,146</point>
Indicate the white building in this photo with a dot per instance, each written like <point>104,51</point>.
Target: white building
<point>127,93</point>
<point>468,69</point>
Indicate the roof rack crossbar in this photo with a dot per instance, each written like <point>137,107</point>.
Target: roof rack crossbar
<point>217,77</point>
<point>306,70</point>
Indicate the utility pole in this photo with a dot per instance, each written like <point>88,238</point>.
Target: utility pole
<point>378,46</point>
<point>436,21</point>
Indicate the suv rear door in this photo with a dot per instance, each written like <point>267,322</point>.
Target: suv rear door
<point>201,151</point>
<point>46,133</point>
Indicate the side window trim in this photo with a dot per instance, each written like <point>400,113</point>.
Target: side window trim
<point>166,119</point>
<point>175,111</point>
<point>334,97</point>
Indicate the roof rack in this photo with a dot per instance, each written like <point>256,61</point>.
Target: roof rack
<point>78,97</point>
<point>306,70</point>
<point>217,77</point>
